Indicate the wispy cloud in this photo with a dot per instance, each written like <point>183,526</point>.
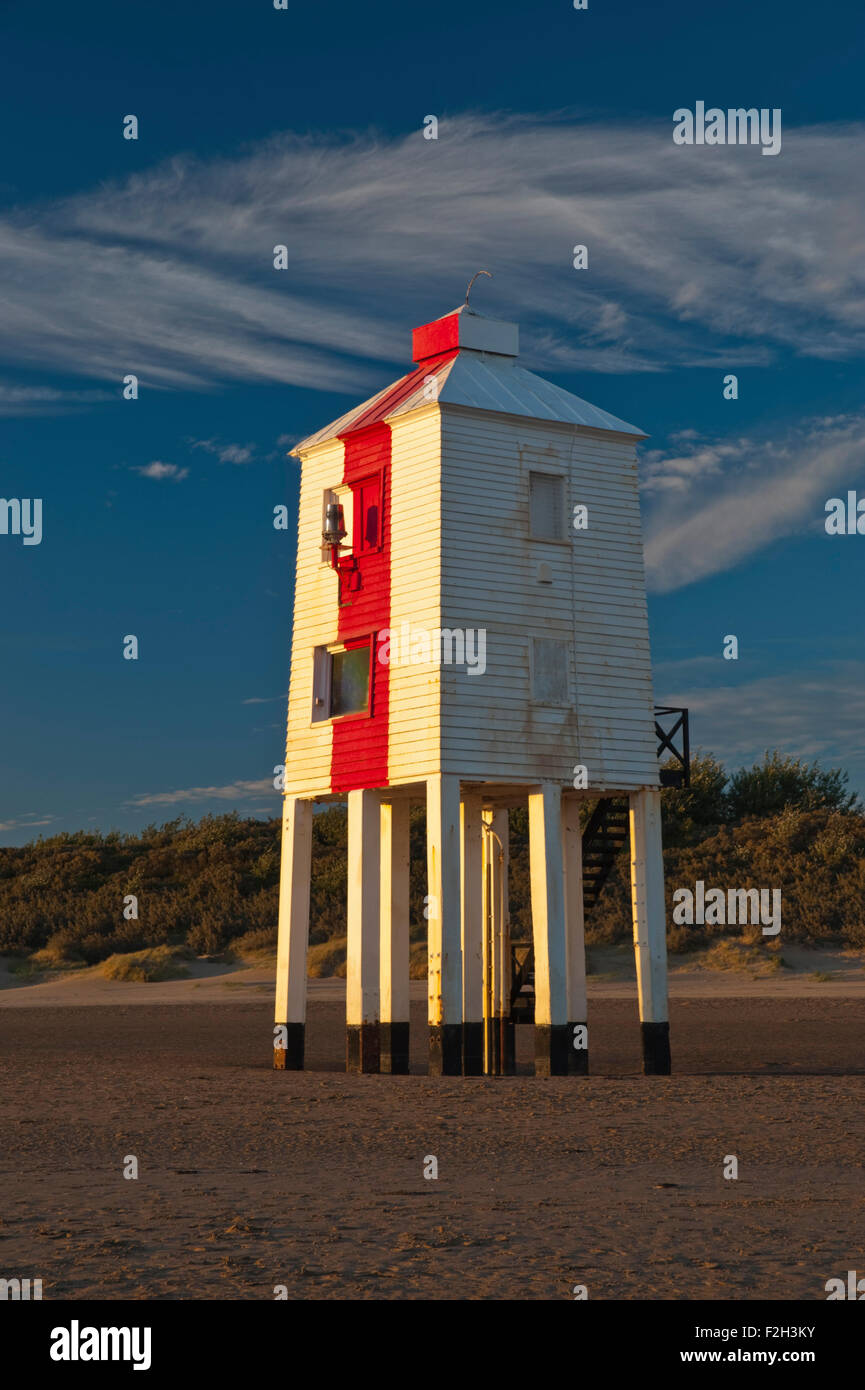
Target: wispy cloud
<point>692,261</point>
<point>161,471</point>
<point>235,791</point>
<point>46,400</point>
<point>226,453</point>
<point>712,504</point>
<point>818,715</point>
<point>27,822</point>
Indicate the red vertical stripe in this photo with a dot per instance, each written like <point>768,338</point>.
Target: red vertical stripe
<point>400,391</point>
<point>360,742</point>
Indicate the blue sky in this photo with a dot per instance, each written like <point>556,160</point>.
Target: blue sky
<point>303,127</point>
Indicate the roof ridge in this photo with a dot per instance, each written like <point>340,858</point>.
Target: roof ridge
<point>503,386</point>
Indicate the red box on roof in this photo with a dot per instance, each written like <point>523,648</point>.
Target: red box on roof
<point>432,338</point>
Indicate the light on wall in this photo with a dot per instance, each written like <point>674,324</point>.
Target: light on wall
<point>334,531</point>
<point>334,524</point>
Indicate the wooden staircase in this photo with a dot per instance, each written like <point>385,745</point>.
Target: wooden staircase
<point>604,837</point>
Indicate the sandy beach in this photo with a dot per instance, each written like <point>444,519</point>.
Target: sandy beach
<point>808,974</point>
<point>250,1179</point>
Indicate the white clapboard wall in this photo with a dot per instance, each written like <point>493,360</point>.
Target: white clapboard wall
<point>462,557</point>
<point>491,726</point>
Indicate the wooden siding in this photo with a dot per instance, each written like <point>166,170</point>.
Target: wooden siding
<point>416,541</point>
<point>596,602</point>
<point>360,742</point>
<point>309,746</point>
<point>460,557</point>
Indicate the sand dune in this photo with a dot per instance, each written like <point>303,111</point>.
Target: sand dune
<point>248,982</point>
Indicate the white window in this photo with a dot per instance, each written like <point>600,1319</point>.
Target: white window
<point>341,679</point>
<point>549,671</point>
<point>546,507</point>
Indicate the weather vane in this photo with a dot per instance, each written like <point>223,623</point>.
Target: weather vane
<point>472,280</point>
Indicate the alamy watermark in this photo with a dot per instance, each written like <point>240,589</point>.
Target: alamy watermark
<point>853,1289</point>
<point>22,517</point>
<point>738,126</point>
<point>77,1343</point>
<point>20,1290</point>
<point>846,518</point>
<point>740,906</point>
<point>409,645</point>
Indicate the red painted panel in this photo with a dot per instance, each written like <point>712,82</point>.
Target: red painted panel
<point>366,528</point>
<point>398,393</point>
<point>432,338</point>
<point>360,743</point>
<point>359,756</point>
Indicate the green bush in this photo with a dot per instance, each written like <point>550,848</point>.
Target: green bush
<point>212,886</point>
<point>147,967</point>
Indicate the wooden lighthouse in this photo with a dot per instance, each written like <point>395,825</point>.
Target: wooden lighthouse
<point>470,633</point>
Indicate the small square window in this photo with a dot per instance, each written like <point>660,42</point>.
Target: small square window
<point>546,507</point>
<point>367,513</point>
<point>549,671</point>
<point>341,680</point>
<point>349,681</point>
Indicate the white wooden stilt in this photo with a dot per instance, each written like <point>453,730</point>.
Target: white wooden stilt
<point>471,870</point>
<point>499,1033</point>
<point>293,936</point>
<point>444,924</point>
<point>395,947</point>
<point>362,1014</point>
<point>548,930</point>
<point>575,936</point>
<point>650,934</point>
<point>502,936</point>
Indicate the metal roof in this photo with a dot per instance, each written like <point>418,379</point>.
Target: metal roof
<point>481,381</point>
<point>497,383</point>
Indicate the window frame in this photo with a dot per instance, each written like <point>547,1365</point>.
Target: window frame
<point>567,702</point>
<point>322,679</point>
<point>562,479</point>
<point>356,485</point>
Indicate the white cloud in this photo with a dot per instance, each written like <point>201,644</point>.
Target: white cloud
<point>697,255</point>
<point>45,400</point>
<point>235,791</point>
<point>713,505</point>
<point>27,822</point>
<point>235,453</point>
<point>818,715</point>
<point>159,471</point>
<point>227,453</point>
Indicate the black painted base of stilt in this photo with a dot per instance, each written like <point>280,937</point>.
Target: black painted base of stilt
<point>656,1049</point>
<point>394,1048</point>
<point>509,1047</point>
<point>551,1049</point>
<point>578,1057</point>
<point>446,1049</point>
<point>501,1051</point>
<point>363,1047</point>
<point>290,1057</point>
<point>473,1049</point>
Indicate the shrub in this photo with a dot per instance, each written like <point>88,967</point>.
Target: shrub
<point>158,963</point>
<point>261,941</point>
<point>327,959</point>
<point>779,783</point>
